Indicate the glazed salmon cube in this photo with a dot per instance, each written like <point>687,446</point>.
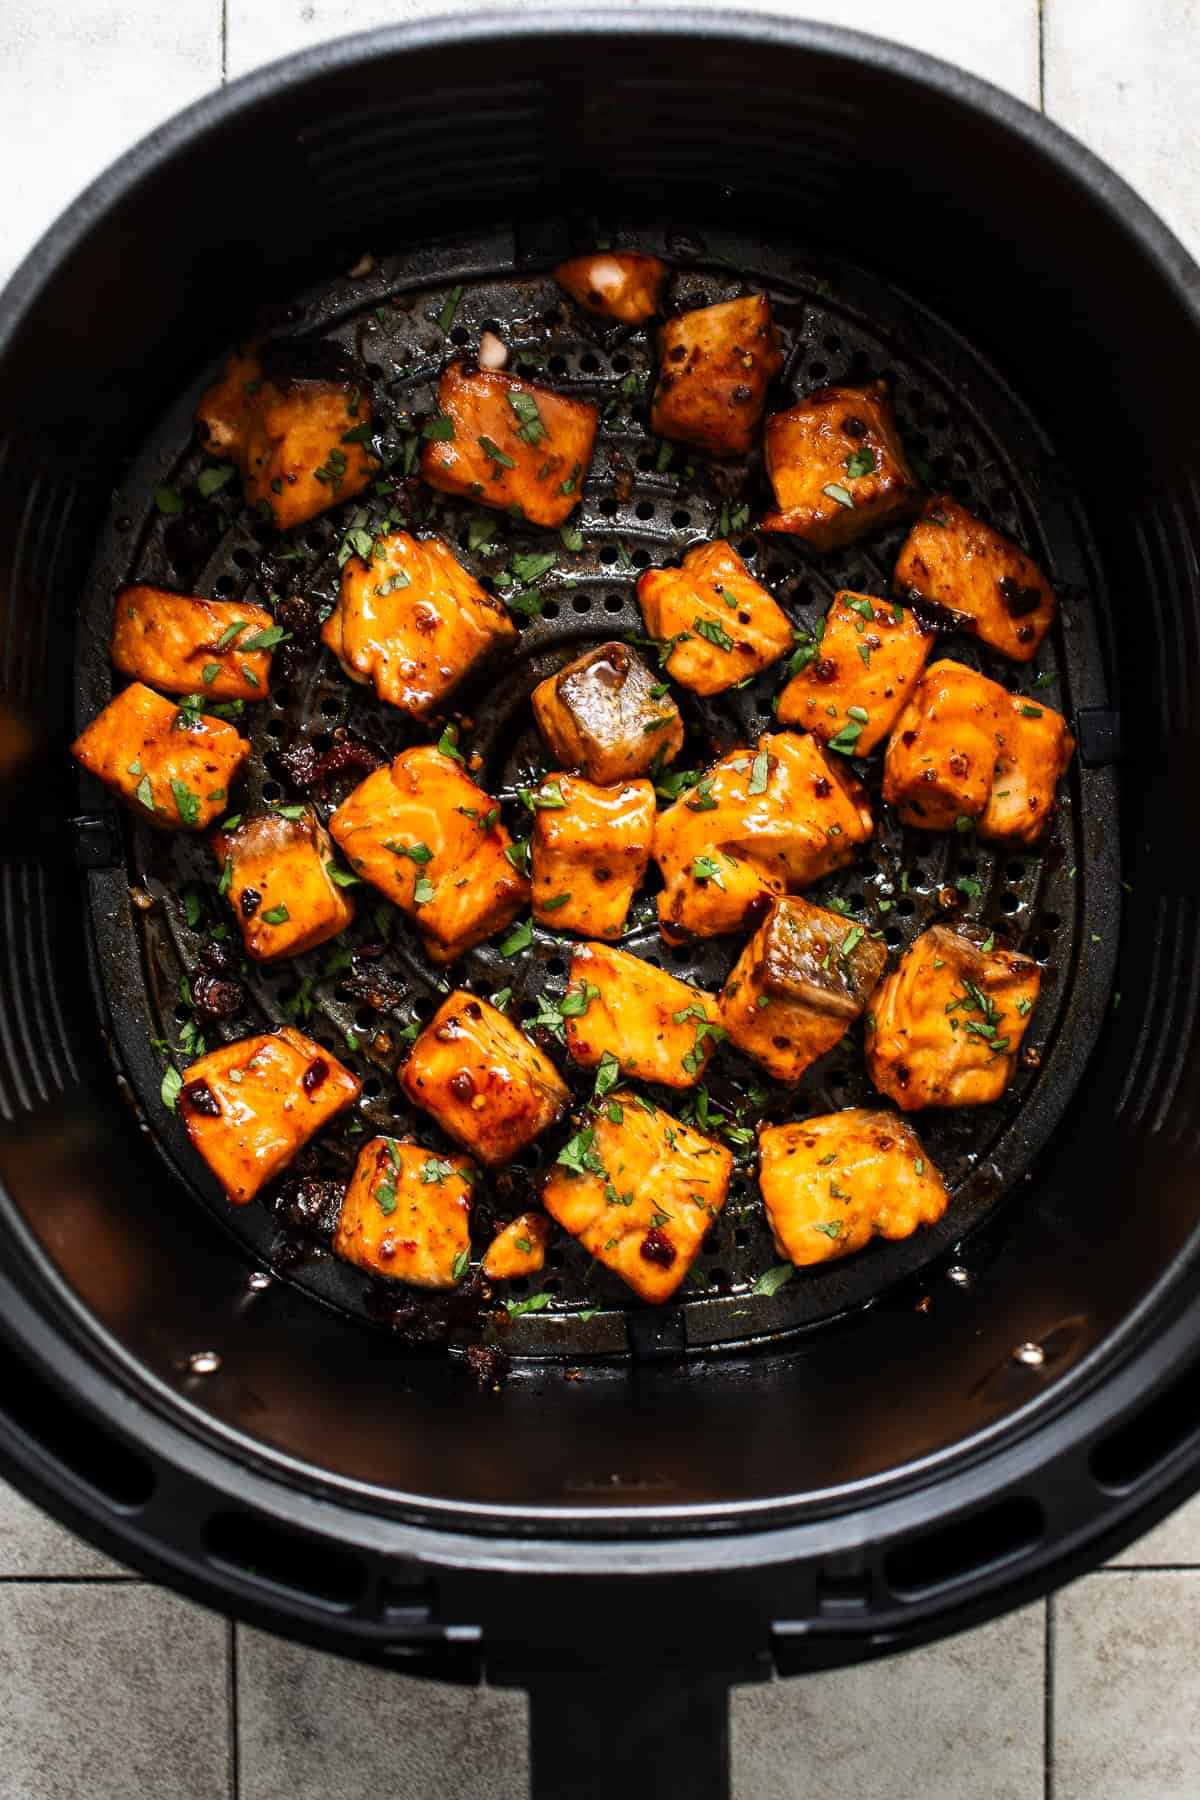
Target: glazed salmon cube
<point>714,368</point>
<point>946,1024</point>
<point>965,748</point>
<point>250,1107</point>
<point>427,837</point>
<point>407,1214</point>
<point>519,1248</point>
<point>278,875</point>
<point>483,1081</point>
<point>615,284</point>
<point>295,418</point>
<point>853,679</point>
<point>171,765</point>
<point>505,442</point>
<point>606,715</point>
<point>412,622</point>
<point>590,848</point>
<point>837,466</point>
<point>722,626</point>
<point>761,822</point>
<point>831,1184</point>
<point>639,1190</point>
<point>955,561</point>
<point>798,986</point>
<point>185,645</point>
<point>1036,752</point>
<point>656,1027</point>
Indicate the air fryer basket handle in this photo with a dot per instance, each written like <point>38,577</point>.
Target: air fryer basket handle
<point>641,1736</point>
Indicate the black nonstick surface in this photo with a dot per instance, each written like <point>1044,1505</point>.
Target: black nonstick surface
<point>643,503</point>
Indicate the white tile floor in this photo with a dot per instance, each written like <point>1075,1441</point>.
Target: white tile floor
<point>112,1690</point>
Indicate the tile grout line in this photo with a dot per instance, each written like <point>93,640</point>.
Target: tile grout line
<point>224,41</point>
<point>1048,1704</point>
<point>231,1710</point>
<point>1041,11</point>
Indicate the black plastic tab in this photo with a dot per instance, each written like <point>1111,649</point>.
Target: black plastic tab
<point>1100,735</point>
<point>94,841</point>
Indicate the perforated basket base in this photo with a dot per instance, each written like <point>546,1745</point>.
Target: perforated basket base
<point>969,435</point>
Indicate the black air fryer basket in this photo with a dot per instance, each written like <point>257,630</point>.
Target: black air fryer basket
<point>888,1449</point>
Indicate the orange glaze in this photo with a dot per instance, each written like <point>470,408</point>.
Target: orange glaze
<point>589,854</point>
<point>519,1248</point>
<point>652,1023</point>
<point>413,622</point>
<point>171,767</point>
<point>407,1214</point>
<point>713,592</point>
<point>170,641</point>
<point>725,851</point>
<point>831,1184</point>
<point>539,474</point>
<point>483,1081</point>
<point>616,284</point>
<point>953,559</point>
<point>714,368</point>
<point>250,1106</point>
<point>822,444</point>
<point>869,655</point>
<point>271,866</point>
<point>459,887</point>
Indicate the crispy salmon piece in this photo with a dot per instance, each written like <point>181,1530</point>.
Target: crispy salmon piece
<point>831,1184</point>
<point>965,748</point>
<point>855,676</point>
<point>639,1190</point>
<point>601,715</point>
<point>293,416</point>
<point>657,1027</point>
<point>510,444</point>
<point>249,1107</point>
<point>590,848</point>
<point>483,1081</point>
<point>519,1248</point>
<point>278,875</point>
<point>427,837</point>
<point>714,368</point>
<point>722,625</point>
<point>616,284</point>
<point>946,1024</point>
<point>837,466</point>
<point>407,1214</point>
<point>413,622</point>
<point>186,645</point>
<point>171,765</point>
<point>760,823</point>
<point>798,986</point>
<point>954,560</point>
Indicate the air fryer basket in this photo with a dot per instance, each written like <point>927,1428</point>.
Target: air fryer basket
<point>893,1468</point>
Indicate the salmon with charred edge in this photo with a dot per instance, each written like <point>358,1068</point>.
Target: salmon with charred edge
<point>837,466</point>
<point>407,1214</point>
<point>714,368</point>
<point>652,1025</point>
<point>851,680</point>
<point>483,1081</point>
<point>832,1183</point>
<point>606,715</point>
<point>504,442</point>
<point>615,284</point>
<point>171,765</point>
<point>716,625</point>
<point>590,848</point>
<point>945,1026</point>
<point>296,418</point>
<point>278,875</point>
<point>799,985</point>
<point>185,645</point>
<point>251,1106</point>
<point>412,622</point>
<point>422,833</point>
<point>639,1190</point>
<point>965,748</point>
<point>760,823</point>
<point>953,560</point>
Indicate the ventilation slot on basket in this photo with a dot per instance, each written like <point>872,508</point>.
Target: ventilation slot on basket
<point>66,1435</point>
<point>965,1549</point>
<point>1146,1441</point>
<point>304,1566</point>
